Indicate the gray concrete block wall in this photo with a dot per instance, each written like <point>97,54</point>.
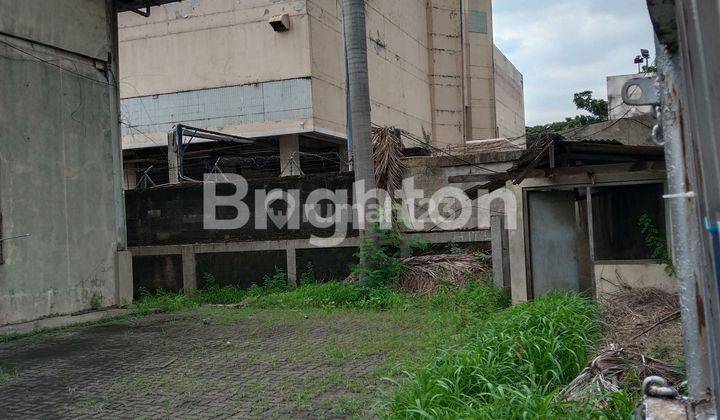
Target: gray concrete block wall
<point>56,160</point>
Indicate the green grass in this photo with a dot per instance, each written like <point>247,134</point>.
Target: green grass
<point>513,367</point>
<point>465,354</point>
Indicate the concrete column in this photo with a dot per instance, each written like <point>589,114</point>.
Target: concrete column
<point>124,290</point>
<point>500,253</point>
<point>130,172</point>
<point>173,170</point>
<point>189,270</point>
<point>290,155</point>
<point>292,266</point>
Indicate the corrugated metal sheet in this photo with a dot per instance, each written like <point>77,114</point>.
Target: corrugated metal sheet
<point>219,107</point>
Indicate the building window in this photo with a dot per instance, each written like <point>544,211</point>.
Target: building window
<point>616,215</point>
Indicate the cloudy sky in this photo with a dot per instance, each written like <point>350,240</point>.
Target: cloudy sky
<point>567,46</point>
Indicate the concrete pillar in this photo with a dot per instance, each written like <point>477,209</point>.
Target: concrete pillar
<point>189,270</point>
<point>500,253</point>
<point>130,172</point>
<point>290,155</point>
<point>292,266</point>
<point>124,290</point>
<point>173,170</point>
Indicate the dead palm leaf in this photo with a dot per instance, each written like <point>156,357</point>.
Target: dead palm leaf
<point>388,157</point>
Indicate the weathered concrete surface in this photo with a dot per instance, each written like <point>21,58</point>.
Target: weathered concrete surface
<point>59,146</point>
<point>423,77</point>
<point>61,321</point>
<point>617,108</point>
<point>509,99</point>
<point>612,276</point>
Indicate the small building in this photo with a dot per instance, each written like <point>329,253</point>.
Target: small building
<point>581,209</point>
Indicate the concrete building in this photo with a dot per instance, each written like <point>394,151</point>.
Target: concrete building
<point>220,65</point>
<point>578,221</point>
<point>62,219</point>
<point>628,124</point>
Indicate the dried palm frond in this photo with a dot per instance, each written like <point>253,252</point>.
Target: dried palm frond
<point>426,274</point>
<point>612,369</point>
<point>388,157</point>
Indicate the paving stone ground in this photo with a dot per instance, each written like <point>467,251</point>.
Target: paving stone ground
<point>206,363</point>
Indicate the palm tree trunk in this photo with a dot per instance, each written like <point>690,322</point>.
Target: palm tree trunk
<point>358,91</point>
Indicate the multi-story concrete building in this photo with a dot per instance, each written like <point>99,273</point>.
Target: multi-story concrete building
<point>221,65</point>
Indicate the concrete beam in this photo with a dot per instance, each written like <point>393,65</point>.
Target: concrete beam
<point>248,246</point>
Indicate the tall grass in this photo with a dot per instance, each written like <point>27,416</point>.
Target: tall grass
<point>513,368</point>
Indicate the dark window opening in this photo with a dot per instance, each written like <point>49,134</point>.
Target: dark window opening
<point>616,216</point>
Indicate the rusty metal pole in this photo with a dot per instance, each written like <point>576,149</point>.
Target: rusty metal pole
<point>682,202</point>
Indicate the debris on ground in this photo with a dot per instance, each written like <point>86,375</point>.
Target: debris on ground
<point>612,370</point>
<point>644,320</point>
<point>644,338</point>
<point>427,273</point>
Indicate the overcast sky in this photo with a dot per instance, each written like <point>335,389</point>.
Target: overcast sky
<point>567,46</point>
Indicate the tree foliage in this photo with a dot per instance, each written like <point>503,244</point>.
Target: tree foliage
<point>597,108</point>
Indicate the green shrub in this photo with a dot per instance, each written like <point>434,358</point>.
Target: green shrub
<point>381,259</point>
<point>308,276</point>
<point>276,283</point>
<point>163,301</point>
<point>657,243</point>
<point>330,295</point>
<point>454,248</point>
<point>512,368</point>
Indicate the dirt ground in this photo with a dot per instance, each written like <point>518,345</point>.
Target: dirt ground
<point>646,321</point>
<point>210,363</point>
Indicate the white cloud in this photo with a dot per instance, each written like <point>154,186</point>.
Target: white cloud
<point>567,46</point>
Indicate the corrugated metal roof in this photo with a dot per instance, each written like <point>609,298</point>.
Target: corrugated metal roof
<point>130,5</point>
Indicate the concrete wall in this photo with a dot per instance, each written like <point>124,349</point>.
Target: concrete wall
<point>216,64</point>
<point>509,99</point>
<point>617,108</point>
<point>397,64</point>
<point>612,276</point>
<point>173,214</point>
<point>427,75</point>
<point>59,154</point>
